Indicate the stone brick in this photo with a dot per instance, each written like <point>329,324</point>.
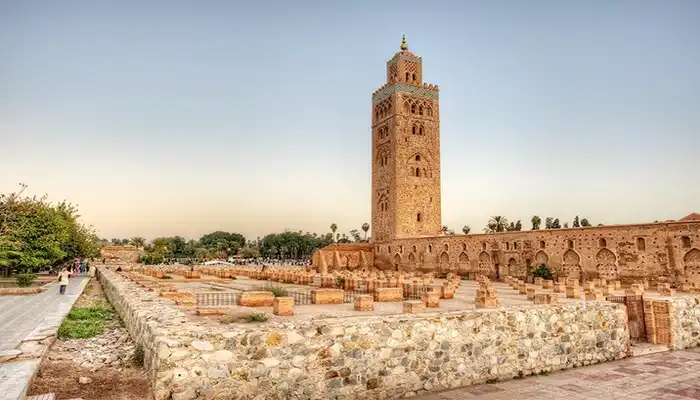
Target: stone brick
<point>431,299</point>
<point>363,302</point>
<point>522,288</point>
<point>594,295</point>
<point>256,299</point>
<point>413,307</point>
<point>327,296</point>
<point>531,293</point>
<point>283,306</point>
<point>388,294</point>
<point>573,292</point>
<point>547,284</point>
<point>546,298</point>
<point>559,287</point>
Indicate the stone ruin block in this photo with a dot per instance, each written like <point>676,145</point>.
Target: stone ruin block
<point>547,284</point>
<point>256,299</point>
<point>283,306</point>
<point>573,292</point>
<point>522,288</point>
<point>327,296</point>
<point>193,275</point>
<point>363,302</point>
<point>413,307</point>
<point>589,286</point>
<point>608,290</point>
<point>448,291</point>
<point>538,282</point>
<point>530,292</point>
<point>594,295</point>
<point>666,290</point>
<point>617,284</point>
<point>388,294</point>
<point>486,297</point>
<point>437,289</point>
<point>546,298</point>
<point>637,287</point>
<point>431,299</point>
<point>572,282</point>
<point>328,282</point>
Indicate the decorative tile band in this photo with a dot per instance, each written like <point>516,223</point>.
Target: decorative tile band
<point>406,88</point>
<point>405,57</point>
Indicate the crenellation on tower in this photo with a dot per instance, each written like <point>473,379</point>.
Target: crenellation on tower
<point>406,152</point>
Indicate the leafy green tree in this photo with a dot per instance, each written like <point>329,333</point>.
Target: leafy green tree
<point>584,222</point>
<point>466,229</point>
<point>536,222</point>
<point>356,235</point>
<point>222,241</point>
<point>576,223</point>
<point>556,224</point>
<point>548,222</point>
<point>566,224</point>
<point>518,226</point>
<point>250,252</point>
<point>542,272</point>
<point>137,241</point>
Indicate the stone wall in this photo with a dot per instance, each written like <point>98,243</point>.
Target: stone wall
<point>363,357</point>
<point>685,322</point>
<point>617,252</point>
<point>120,254</point>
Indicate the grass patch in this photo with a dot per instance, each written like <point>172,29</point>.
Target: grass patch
<point>257,317</point>
<point>85,322</point>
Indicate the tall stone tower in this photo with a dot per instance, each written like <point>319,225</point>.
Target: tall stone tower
<point>405,152</point>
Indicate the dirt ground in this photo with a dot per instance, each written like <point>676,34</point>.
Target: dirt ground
<point>61,369</point>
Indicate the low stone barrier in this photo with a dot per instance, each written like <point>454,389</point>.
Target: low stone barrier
<point>327,296</point>
<point>256,299</point>
<point>364,357</point>
<point>389,294</point>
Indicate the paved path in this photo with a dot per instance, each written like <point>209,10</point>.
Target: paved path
<point>662,376</point>
<point>26,317</point>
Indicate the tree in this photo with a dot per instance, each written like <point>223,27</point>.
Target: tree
<point>356,235</point>
<point>497,223</point>
<point>511,227</point>
<point>518,226</point>
<point>566,224</point>
<point>334,228</point>
<point>576,223</point>
<point>542,272</point>
<point>466,229</point>
<point>137,241</point>
<point>548,223</point>
<point>250,252</point>
<point>584,222</point>
<point>365,227</point>
<point>222,241</point>
<point>556,224</point>
<point>536,222</point>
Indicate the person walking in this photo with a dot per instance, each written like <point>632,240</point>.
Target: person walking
<point>63,277</point>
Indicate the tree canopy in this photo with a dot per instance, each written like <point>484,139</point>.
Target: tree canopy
<point>35,233</point>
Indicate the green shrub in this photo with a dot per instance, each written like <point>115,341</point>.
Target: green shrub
<point>542,272</point>
<point>26,279</point>
<point>278,291</point>
<point>257,317</point>
<point>340,282</point>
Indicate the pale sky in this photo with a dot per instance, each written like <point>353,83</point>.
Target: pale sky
<point>184,117</point>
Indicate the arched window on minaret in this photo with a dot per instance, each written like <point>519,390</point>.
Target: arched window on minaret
<point>407,76</point>
<point>420,110</point>
<point>414,78</point>
<point>417,157</point>
<point>414,129</point>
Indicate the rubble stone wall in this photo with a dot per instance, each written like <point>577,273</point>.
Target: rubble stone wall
<point>362,357</point>
<point>685,322</point>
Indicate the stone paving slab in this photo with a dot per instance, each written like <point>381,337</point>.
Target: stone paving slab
<point>31,317</point>
<point>662,376</point>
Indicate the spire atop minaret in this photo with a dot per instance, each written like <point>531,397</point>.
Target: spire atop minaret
<point>404,46</point>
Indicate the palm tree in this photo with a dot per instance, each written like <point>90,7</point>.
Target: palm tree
<point>138,241</point>
<point>466,229</point>
<point>497,223</point>
<point>536,222</point>
<point>334,228</point>
<point>365,227</point>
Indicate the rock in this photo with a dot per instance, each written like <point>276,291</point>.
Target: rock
<point>201,345</point>
<point>270,362</point>
<point>293,337</point>
<point>6,355</point>
<point>223,356</point>
<point>83,380</point>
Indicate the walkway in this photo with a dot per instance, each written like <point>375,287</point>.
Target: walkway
<point>21,315</point>
<point>662,376</point>
<point>31,317</point>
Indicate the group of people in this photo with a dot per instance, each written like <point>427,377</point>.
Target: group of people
<point>70,270</point>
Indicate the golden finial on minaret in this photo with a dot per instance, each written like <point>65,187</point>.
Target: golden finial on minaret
<point>404,46</point>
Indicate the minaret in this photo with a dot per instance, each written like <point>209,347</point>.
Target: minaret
<point>405,152</point>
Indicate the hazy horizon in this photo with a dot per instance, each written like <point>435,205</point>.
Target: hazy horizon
<point>177,118</point>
